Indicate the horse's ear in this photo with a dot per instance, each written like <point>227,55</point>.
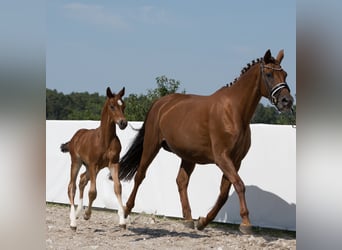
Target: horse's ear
<point>109,93</point>
<point>122,92</point>
<point>267,57</point>
<point>280,56</point>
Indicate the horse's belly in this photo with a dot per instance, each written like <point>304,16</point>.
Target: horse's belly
<point>192,154</point>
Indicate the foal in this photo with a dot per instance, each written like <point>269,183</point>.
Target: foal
<point>96,149</point>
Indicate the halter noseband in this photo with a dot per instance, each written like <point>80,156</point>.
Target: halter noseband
<point>274,90</point>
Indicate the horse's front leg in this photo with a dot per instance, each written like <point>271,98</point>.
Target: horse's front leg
<point>114,170</point>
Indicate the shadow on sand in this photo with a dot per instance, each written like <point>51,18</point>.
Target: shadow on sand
<point>265,209</point>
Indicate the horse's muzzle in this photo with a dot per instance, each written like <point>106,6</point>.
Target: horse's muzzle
<point>285,103</point>
<point>122,124</point>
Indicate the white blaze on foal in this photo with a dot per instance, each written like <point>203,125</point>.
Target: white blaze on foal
<point>120,102</point>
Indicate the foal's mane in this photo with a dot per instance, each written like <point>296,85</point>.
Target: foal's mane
<point>247,67</point>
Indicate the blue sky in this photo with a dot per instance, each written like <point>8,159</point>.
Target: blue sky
<point>203,44</point>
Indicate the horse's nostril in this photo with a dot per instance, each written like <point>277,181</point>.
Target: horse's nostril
<point>122,124</point>
<point>286,101</point>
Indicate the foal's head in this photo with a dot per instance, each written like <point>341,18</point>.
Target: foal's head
<point>274,77</point>
<point>116,107</point>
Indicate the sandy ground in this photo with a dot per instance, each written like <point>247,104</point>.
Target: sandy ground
<point>152,232</point>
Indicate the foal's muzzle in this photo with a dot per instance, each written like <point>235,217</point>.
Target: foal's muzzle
<point>122,124</point>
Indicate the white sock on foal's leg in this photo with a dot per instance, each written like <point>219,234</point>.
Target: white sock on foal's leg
<point>79,208</point>
<point>73,217</point>
<point>122,221</point>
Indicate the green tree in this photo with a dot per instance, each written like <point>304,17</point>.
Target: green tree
<point>85,106</point>
<point>287,117</point>
<point>270,115</point>
<point>74,106</point>
<point>137,106</point>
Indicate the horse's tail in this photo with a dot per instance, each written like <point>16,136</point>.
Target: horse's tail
<point>65,147</point>
<point>130,161</point>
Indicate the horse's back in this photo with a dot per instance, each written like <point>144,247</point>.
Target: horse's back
<point>180,110</point>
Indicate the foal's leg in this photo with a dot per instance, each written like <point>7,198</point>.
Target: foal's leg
<point>221,200</point>
<point>75,167</point>
<point>148,155</point>
<point>114,170</point>
<point>183,176</point>
<point>92,170</point>
<point>83,182</point>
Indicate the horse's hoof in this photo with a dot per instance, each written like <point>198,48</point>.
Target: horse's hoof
<point>86,217</point>
<point>189,224</point>
<point>73,228</point>
<point>201,223</point>
<point>245,229</point>
<point>122,226</point>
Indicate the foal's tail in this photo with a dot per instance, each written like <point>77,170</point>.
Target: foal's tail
<point>130,161</point>
<point>65,147</point>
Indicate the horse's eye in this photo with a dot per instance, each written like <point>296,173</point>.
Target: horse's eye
<point>268,74</point>
<point>112,107</point>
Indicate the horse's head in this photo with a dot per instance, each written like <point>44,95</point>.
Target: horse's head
<point>116,107</point>
<point>274,78</point>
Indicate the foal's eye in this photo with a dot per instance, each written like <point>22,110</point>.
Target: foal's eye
<point>268,74</point>
<point>112,107</point>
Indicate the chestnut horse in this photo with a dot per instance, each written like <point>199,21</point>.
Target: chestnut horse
<point>96,149</point>
<point>207,129</point>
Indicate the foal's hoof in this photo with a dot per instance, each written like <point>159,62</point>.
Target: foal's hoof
<point>122,226</point>
<point>86,216</point>
<point>245,229</point>
<point>73,228</point>
<point>126,212</point>
<point>189,224</point>
<point>201,223</point>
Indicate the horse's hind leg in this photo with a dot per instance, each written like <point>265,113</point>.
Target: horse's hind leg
<point>75,167</point>
<point>92,171</point>
<point>183,176</point>
<point>83,182</point>
<point>221,200</point>
<point>149,152</point>
<point>114,170</point>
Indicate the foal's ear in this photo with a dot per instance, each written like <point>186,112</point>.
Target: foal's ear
<point>109,93</point>
<point>122,92</point>
<point>280,56</point>
<point>267,57</point>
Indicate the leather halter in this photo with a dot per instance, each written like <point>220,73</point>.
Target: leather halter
<point>275,89</point>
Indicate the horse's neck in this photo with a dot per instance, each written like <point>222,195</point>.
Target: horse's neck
<point>245,94</point>
<point>107,128</point>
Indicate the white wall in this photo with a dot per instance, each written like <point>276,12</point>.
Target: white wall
<point>268,171</point>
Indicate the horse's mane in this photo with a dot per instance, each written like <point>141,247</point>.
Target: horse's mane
<point>247,67</point>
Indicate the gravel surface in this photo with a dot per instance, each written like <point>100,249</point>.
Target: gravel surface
<point>152,232</point>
